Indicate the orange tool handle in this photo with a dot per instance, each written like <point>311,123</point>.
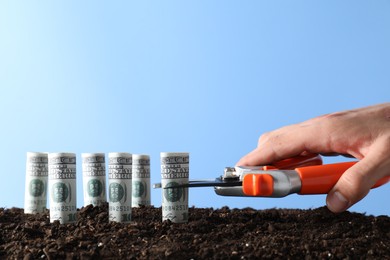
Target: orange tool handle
<point>259,185</point>
<point>294,162</point>
<point>321,179</point>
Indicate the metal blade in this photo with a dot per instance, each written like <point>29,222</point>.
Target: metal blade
<point>218,182</point>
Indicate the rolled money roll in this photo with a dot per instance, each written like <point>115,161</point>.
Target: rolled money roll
<point>62,187</point>
<point>35,192</point>
<point>94,178</point>
<point>119,187</point>
<point>141,180</point>
<point>174,171</point>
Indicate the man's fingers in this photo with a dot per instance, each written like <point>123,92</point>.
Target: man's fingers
<point>287,142</point>
<point>250,159</point>
<point>357,181</point>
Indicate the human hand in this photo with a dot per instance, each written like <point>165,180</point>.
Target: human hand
<point>362,133</point>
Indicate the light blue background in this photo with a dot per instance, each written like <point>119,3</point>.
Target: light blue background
<point>204,77</point>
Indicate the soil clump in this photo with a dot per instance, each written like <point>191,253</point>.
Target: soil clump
<point>210,234</point>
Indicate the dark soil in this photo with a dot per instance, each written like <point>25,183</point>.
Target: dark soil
<point>210,233</point>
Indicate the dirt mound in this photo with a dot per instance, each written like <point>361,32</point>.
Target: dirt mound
<point>210,233</point>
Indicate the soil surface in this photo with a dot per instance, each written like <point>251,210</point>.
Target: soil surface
<point>210,234</point>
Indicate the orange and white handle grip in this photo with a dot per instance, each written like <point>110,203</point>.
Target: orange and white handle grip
<point>321,179</point>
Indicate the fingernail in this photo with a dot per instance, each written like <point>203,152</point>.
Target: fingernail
<point>336,202</point>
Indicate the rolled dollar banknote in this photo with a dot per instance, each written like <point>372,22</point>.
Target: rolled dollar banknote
<point>174,171</point>
<point>62,187</point>
<point>94,178</point>
<point>141,180</point>
<point>35,193</point>
<point>119,187</point>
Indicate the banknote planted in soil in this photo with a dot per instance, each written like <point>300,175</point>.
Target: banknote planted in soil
<point>210,233</point>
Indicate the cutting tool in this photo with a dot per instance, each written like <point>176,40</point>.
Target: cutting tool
<point>304,174</point>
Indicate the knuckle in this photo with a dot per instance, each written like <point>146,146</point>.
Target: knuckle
<point>331,120</point>
<point>265,137</point>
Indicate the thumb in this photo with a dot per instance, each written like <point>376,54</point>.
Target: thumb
<point>357,181</point>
